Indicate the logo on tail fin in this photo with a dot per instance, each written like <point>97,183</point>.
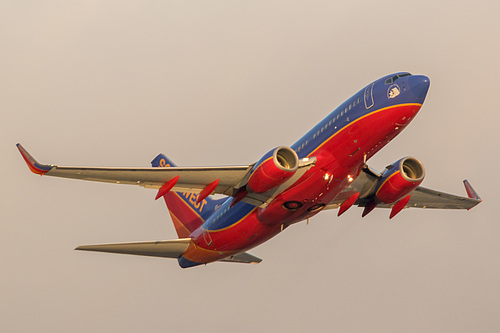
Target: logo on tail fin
<point>162,161</point>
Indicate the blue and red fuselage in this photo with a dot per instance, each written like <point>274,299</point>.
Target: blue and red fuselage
<point>341,143</point>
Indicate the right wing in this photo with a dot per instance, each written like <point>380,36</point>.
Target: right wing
<point>421,197</point>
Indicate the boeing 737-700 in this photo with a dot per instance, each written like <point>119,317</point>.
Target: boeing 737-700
<point>324,169</point>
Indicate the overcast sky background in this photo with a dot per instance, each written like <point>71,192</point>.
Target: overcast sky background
<point>113,83</point>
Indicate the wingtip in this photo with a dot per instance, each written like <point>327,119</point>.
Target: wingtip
<point>470,191</point>
<point>33,165</point>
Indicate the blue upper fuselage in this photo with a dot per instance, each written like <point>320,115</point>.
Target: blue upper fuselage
<point>394,89</point>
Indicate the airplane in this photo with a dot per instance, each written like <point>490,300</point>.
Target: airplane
<point>325,169</point>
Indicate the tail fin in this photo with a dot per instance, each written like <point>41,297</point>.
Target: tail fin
<point>187,215</point>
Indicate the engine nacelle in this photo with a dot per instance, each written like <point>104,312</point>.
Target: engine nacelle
<point>273,169</point>
<point>399,179</point>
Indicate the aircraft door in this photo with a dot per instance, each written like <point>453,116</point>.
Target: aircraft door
<point>369,96</point>
<point>207,237</point>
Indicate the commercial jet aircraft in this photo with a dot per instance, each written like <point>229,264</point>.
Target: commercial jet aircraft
<point>325,169</point>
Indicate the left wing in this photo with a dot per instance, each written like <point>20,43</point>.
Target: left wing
<point>191,179</point>
<point>228,179</point>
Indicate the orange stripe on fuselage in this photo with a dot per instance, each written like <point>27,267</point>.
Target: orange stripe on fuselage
<point>237,239</point>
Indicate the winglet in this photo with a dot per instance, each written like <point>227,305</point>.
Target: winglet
<point>33,165</point>
<point>470,190</point>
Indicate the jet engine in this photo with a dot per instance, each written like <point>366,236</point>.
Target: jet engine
<point>273,169</point>
<point>399,179</point>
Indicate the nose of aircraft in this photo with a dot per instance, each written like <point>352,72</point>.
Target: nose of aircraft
<point>419,85</point>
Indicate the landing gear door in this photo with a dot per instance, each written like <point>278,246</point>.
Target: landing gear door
<point>369,96</point>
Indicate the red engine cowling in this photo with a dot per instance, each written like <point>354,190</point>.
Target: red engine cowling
<point>399,179</point>
<point>273,169</point>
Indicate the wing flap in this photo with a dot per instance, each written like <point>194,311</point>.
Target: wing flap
<point>173,248</point>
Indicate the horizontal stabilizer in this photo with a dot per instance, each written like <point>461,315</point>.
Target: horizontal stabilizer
<point>173,248</point>
<point>244,257</point>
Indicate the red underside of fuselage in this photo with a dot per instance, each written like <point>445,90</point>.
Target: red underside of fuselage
<point>338,158</point>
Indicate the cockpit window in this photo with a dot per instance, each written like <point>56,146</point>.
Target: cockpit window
<point>395,77</point>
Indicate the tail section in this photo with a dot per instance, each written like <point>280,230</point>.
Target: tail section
<point>187,215</point>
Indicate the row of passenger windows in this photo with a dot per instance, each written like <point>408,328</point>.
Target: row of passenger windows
<point>332,122</point>
<point>222,214</point>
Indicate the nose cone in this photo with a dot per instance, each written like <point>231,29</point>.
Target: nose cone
<point>419,85</point>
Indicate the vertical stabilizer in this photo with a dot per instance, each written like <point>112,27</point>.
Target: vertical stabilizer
<point>187,214</point>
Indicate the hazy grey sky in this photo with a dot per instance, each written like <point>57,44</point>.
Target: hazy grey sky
<point>113,83</point>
